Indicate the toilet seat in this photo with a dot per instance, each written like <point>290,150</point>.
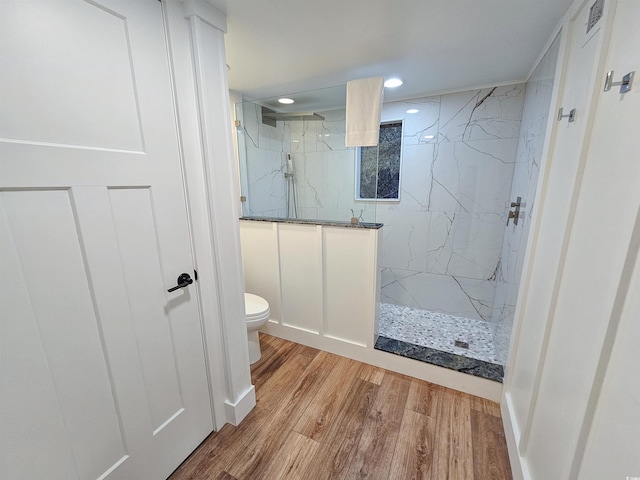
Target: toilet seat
<point>256,308</point>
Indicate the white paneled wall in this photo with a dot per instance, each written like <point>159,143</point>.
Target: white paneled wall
<point>300,252</point>
<point>318,279</point>
<point>571,402</point>
<point>261,263</point>
<point>349,275</point>
<point>323,283</point>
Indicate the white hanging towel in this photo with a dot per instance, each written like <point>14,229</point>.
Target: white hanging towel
<point>364,105</point>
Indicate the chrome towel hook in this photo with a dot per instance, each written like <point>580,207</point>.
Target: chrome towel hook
<point>571,115</point>
<point>625,83</point>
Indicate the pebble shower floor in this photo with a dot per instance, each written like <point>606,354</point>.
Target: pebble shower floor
<point>438,331</point>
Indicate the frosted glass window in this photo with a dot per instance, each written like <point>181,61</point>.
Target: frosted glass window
<point>378,168</point>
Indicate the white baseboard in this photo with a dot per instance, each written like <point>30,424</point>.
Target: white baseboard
<point>237,411</point>
<point>519,468</point>
<point>479,387</point>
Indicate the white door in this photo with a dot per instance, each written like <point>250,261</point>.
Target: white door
<point>102,370</point>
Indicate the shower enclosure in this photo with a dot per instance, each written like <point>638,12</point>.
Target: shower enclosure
<point>296,154</point>
<point>450,263</point>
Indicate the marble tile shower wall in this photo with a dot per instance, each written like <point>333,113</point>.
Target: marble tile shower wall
<point>265,149</point>
<point>443,240</point>
<point>537,102</point>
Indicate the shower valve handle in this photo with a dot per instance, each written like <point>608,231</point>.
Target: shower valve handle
<point>515,213</point>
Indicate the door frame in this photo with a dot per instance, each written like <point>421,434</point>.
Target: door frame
<point>195,43</point>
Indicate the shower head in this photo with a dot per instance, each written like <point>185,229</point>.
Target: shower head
<point>289,164</point>
<point>270,117</point>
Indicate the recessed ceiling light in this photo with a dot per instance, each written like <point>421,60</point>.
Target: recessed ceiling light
<point>393,83</point>
<point>429,137</point>
<point>413,110</point>
<point>286,101</point>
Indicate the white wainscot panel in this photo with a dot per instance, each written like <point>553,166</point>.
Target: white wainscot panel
<point>326,278</point>
<point>349,283</point>
<point>259,243</point>
<point>301,276</point>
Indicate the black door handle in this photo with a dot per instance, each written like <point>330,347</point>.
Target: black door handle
<point>184,280</point>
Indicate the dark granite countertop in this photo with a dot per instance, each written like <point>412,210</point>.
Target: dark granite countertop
<point>326,223</point>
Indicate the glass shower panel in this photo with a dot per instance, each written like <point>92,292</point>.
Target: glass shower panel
<point>293,161</point>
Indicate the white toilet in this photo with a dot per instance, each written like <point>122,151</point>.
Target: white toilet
<point>257,311</point>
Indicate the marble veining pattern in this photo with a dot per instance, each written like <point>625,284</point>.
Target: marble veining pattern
<point>442,241</point>
<point>444,246</point>
<point>459,296</point>
<point>535,116</point>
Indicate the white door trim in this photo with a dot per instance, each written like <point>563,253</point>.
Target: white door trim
<point>196,44</point>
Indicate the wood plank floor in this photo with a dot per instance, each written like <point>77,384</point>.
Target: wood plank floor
<point>321,416</point>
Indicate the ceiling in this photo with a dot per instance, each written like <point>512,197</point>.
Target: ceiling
<point>278,47</point>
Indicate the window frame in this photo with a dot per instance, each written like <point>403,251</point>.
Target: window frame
<point>358,164</point>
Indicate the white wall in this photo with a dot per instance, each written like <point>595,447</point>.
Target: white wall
<point>612,447</point>
<point>321,284</point>
<point>566,374</point>
<point>196,35</point>
<point>318,279</point>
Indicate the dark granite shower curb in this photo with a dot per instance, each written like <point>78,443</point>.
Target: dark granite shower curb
<point>470,366</point>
